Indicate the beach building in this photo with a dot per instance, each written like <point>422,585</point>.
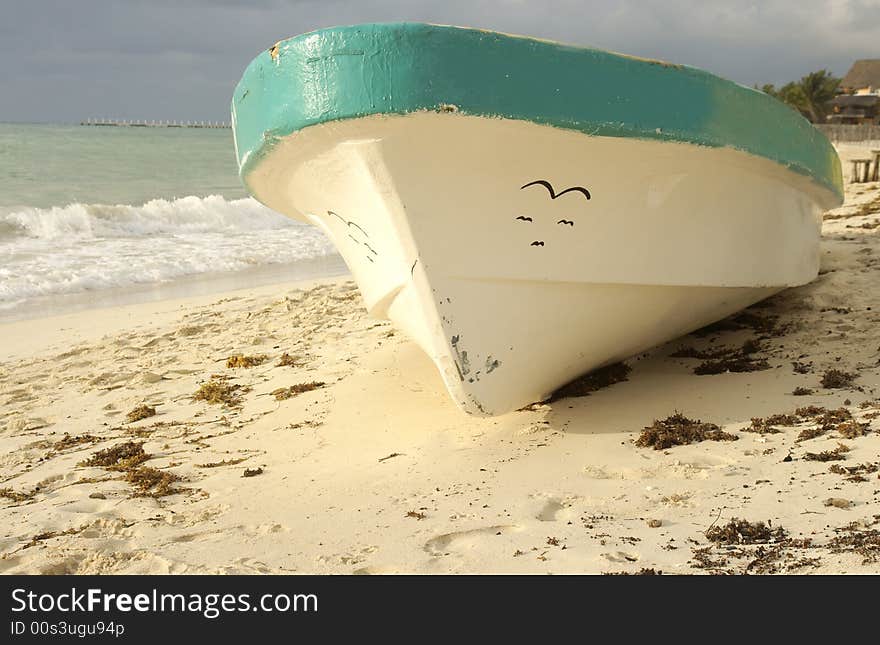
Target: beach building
<point>863,77</point>
<point>859,101</point>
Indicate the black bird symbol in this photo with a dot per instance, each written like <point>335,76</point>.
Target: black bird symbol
<point>537,244</point>
<point>348,223</point>
<point>524,218</point>
<point>553,193</point>
<point>566,221</point>
<point>351,225</point>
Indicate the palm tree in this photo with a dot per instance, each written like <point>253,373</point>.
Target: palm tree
<point>809,96</point>
<point>816,90</point>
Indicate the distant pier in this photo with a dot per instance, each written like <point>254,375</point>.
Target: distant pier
<point>155,124</point>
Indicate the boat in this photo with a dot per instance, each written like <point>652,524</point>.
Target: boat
<point>527,211</point>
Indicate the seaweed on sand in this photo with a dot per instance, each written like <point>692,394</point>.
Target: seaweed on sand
<point>224,462</point>
<point>69,441</point>
<point>678,430</point>
<point>828,455</point>
<point>151,482</point>
<point>596,380</point>
<point>283,393</point>
<point>768,425</point>
<point>240,360</point>
<point>834,378</point>
<point>853,429</point>
<point>15,496</point>
<point>218,391</point>
<point>141,412</point>
<point>855,473</point>
<point>287,360</point>
<point>726,359</point>
<point>853,538</point>
<point>122,456</point>
<point>738,531</point>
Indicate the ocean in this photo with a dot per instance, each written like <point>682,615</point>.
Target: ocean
<point>93,216</point>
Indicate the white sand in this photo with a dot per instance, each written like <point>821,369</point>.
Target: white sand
<point>560,488</point>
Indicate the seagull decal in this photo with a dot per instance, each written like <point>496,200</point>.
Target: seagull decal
<point>553,194</point>
<point>353,228</point>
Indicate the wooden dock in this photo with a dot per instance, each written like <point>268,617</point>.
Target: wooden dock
<point>155,124</point>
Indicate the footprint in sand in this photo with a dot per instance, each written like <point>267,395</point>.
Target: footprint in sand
<point>134,562</point>
<point>465,540</point>
<point>249,565</point>
<point>374,571</point>
<point>621,556</point>
<point>556,509</point>
<point>9,562</point>
<point>257,530</point>
<point>190,330</point>
<point>192,537</point>
<point>353,557</point>
<point>107,528</point>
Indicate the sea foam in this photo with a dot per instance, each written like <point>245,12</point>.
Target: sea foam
<point>156,217</point>
<point>82,247</point>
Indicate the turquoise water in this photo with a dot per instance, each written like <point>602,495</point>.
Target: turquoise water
<point>86,211</point>
<point>53,165</point>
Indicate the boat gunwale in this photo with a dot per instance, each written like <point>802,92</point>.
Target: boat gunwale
<point>713,112</point>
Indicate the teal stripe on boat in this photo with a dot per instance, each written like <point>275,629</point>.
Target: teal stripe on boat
<point>348,72</point>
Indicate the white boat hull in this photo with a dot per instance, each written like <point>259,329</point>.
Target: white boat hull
<point>520,256</point>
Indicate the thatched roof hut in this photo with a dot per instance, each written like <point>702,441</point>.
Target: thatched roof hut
<point>863,75</point>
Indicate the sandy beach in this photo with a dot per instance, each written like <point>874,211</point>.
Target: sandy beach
<point>283,431</point>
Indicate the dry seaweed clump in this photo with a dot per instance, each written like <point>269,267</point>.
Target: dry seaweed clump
<point>853,538</point>
<point>15,496</point>
<point>283,393</point>
<point>801,391</point>
<point>224,462</point>
<point>726,359</point>
<point>678,430</point>
<point>287,360</point>
<point>811,433</point>
<point>240,360</point>
<point>854,473</point>
<point>122,456</point>
<point>150,482</point>
<point>738,531</point>
<point>141,412</point>
<point>735,365</point>
<point>737,361</point>
<point>827,420</point>
<point>762,323</point>
<point>769,424</point>
<point>68,441</point>
<point>833,379</point>
<point>218,391</point>
<point>828,455</point>
<point>868,208</point>
<point>853,429</point>
<point>596,380</point>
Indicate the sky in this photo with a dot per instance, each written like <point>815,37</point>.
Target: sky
<point>68,60</point>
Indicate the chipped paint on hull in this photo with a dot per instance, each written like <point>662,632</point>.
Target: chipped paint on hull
<point>461,356</point>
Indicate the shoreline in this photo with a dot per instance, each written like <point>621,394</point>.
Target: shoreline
<point>201,284</point>
<point>27,336</point>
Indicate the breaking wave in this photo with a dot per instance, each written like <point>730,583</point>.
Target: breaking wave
<point>83,247</point>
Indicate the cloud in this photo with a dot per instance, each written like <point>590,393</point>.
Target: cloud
<point>165,59</point>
